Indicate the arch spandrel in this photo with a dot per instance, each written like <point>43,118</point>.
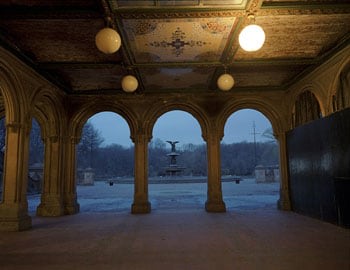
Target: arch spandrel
<point>85,110</point>
<point>155,112</point>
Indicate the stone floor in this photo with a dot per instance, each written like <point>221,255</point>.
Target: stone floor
<point>177,234</point>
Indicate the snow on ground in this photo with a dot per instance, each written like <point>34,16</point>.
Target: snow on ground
<point>102,197</point>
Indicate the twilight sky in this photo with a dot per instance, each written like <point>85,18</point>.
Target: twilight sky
<point>183,127</point>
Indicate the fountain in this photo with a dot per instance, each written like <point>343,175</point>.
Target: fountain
<point>173,169</point>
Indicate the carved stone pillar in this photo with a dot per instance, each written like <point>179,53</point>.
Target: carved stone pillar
<point>52,195</point>
<point>214,201</point>
<point>70,203</point>
<point>284,202</point>
<point>14,206</point>
<point>141,203</point>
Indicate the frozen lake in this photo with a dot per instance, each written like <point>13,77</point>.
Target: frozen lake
<point>102,197</point>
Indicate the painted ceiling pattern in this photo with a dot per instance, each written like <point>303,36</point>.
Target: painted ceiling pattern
<point>178,39</point>
<point>178,2</point>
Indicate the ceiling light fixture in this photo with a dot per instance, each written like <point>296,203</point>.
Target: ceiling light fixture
<point>107,39</point>
<point>225,82</point>
<point>252,37</point>
<point>129,83</point>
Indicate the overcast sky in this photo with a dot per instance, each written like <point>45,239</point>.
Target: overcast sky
<point>183,127</point>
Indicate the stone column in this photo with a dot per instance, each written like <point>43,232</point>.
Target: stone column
<point>214,201</point>
<point>52,194</point>
<point>141,203</point>
<point>14,206</point>
<point>284,202</point>
<point>70,203</point>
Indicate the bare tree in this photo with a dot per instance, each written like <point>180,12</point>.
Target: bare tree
<point>91,140</point>
<point>268,135</point>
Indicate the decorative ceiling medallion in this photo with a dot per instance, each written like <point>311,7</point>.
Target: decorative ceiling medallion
<point>178,43</point>
<point>178,40</point>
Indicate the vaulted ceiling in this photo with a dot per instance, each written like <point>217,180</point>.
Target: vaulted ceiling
<point>173,46</point>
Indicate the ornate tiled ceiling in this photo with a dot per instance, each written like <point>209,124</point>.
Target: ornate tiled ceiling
<point>173,46</point>
<point>190,3</point>
<point>177,39</point>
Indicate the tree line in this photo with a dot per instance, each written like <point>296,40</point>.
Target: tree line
<point>115,160</point>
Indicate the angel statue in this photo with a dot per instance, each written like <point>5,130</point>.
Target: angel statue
<point>172,145</point>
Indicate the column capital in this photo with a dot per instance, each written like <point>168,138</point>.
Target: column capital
<point>279,135</point>
<point>213,135</point>
<point>73,139</point>
<point>16,126</point>
<point>52,138</point>
<point>141,136</point>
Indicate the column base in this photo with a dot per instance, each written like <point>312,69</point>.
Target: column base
<point>71,205</point>
<point>71,209</point>
<point>50,206</point>
<point>49,210</point>
<point>141,208</point>
<point>215,207</point>
<point>284,205</point>
<point>15,224</point>
<point>14,217</point>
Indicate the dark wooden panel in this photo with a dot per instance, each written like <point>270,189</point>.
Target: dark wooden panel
<point>319,167</point>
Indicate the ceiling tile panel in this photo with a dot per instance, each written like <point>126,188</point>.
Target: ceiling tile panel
<point>178,40</point>
<point>140,3</point>
<point>156,79</point>
<point>298,36</point>
<point>88,79</point>
<point>266,76</point>
<point>59,40</point>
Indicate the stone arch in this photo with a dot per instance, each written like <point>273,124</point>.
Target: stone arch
<point>12,91</point>
<point>47,109</point>
<point>2,111</point>
<point>263,107</point>
<point>339,98</point>
<point>306,108</point>
<point>192,109</point>
<point>91,108</point>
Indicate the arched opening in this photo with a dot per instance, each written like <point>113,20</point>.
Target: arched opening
<point>35,167</point>
<point>2,152</point>
<point>306,109</point>
<point>105,156</point>
<point>341,99</point>
<point>249,162</point>
<point>177,163</point>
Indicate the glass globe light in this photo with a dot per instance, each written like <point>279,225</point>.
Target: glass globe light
<point>225,82</point>
<point>108,40</point>
<point>129,83</point>
<point>251,38</point>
